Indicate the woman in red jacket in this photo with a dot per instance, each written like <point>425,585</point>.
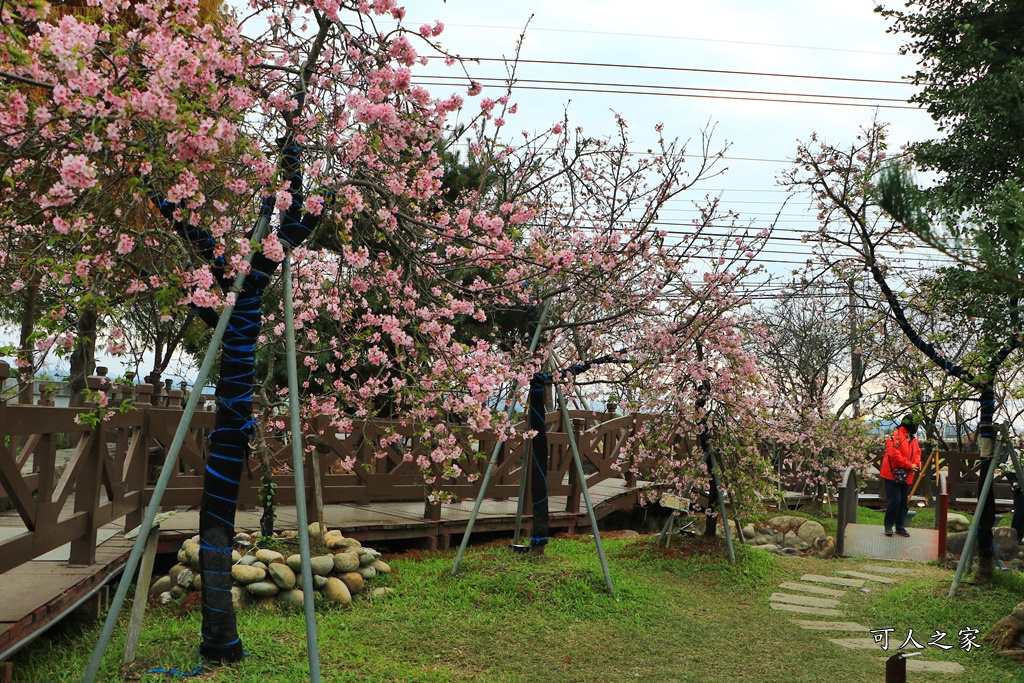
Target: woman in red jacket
<point>902,459</point>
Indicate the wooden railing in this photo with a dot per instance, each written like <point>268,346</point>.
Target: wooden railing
<point>112,467</point>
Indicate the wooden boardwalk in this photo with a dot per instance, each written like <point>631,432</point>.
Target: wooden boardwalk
<point>39,593</point>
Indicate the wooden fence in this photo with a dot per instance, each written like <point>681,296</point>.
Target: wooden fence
<point>110,471</point>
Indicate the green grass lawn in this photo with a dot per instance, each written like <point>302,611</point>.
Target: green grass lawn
<point>681,615</point>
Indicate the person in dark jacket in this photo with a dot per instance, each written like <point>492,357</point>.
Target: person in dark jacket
<point>901,461</point>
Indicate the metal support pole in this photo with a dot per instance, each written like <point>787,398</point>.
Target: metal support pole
<point>583,482</point>
<point>986,488</point>
<point>170,464</point>
<point>497,448</point>
<point>721,506</point>
<point>521,502</point>
<point>301,518</point>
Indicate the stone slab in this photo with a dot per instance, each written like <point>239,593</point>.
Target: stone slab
<point>800,609</point>
<point>867,577</point>
<point>830,625</point>
<point>918,665</point>
<point>856,643</point>
<point>811,588</point>
<point>834,580</point>
<point>807,600</point>
<point>887,570</point>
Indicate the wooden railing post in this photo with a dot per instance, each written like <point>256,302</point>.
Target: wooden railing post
<point>572,499</point>
<point>87,488</point>
<point>137,466</point>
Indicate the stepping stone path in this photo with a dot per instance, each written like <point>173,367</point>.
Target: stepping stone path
<point>835,588</point>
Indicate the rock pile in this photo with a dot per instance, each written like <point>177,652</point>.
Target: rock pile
<point>263,576</point>
<point>790,535</point>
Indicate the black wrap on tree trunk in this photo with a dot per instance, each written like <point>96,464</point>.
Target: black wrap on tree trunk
<point>539,468</point>
<point>235,424</point>
<point>229,449</point>
<point>986,429</point>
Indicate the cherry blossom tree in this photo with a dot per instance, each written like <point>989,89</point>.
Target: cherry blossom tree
<point>842,182</point>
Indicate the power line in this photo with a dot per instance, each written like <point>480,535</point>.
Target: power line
<point>721,72</point>
<point>517,83</point>
<point>603,91</point>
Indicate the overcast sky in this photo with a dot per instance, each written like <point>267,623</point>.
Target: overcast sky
<point>844,40</point>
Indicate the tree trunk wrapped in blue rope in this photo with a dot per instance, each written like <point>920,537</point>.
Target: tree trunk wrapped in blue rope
<point>235,425</point>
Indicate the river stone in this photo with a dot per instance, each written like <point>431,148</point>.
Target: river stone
<point>317,530</point>
<point>248,560</point>
<point>355,582</point>
<point>245,574</point>
<point>791,540</point>
<point>824,547</point>
<point>956,522</point>
<point>259,564</point>
<point>367,572</point>
<point>235,556</point>
<point>174,571</point>
<point>263,589</point>
<point>185,577</point>
<point>349,543</point>
<point>380,592</point>
<point>319,582</point>
<point>333,533</point>
<point>786,523</point>
<point>197,582</point>
<point>161,585</point>
<point>809,531</point>
<point>366,559</point>
<point>337,591</point>
<point>238,598</point>
<point>749,532</point>
<point>346,562</point>
<point>294,562</point>
<point>381,566</point>
<point>269,556</point>
<point>187,549</point>
<point>1005,540</point>
<point>165,597</point>
<point>768,547</point>
<point>322,564</point>
<point>282,576</point>
<point>177,592</point>
<point>336,542</point>
<point>290,598</point>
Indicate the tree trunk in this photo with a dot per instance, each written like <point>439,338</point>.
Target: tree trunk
<point>539,467</point>
<point>83,357</point>
<point>26,353</point>
<point>1007,635</point>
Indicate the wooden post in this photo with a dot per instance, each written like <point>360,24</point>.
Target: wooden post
<point>131,645</point>
<point>318,489</point>
<point>87,488</point>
